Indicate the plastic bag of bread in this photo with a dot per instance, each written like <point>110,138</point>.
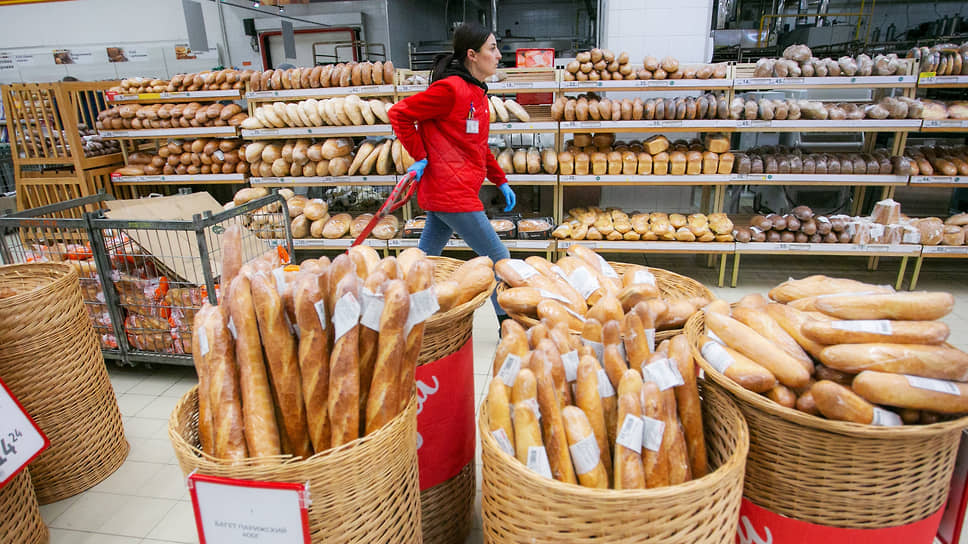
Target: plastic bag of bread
<point>862,232</point>
<point>886,212</point>
<point>386,228</point>
<point>953,235</point>
<point>798,53</point>
<point>337,226</point>
<point>960,219</point>
<point>720,223</point>
<point>359,223</point>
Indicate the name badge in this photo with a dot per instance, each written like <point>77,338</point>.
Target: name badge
<point>473,126</point>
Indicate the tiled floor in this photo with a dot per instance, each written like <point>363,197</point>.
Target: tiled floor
<point>146,500</point>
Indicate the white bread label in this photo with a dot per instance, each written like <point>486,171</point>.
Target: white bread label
<point>886,418</point>
<point>372,310</point>
<point>650,335</point>
<point>557,270</point>
<point>502,441</point>
<point>280,276</point>
<point>652,431</point>
<point>597,347</point>
<point>630,434</point>
<point>523,269</point>
<point>585,454</point>
<point>911,235</point>
<point>231,327</point>
<point>538,461</point>
<point>584,282</point>
<point>533,404</point>
<point>553,296</point>
<point>851,294</point>
<point>877,231</point>
<point>509,369</point>
<point>716,356</point>
<point>574,314</point>
<point>931,384</point>
<point>423,304</point>
<point>346,315</point>
<point>872,326</point>
<point>643,276</point>
<point>606,268</point>
<point>663,373</point>
<point>570,360</point>
<point>202,341</point>
<point>320,307</point>
<point>605,388</point>
<point>712,336</point>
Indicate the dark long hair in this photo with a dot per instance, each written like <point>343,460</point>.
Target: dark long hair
<point>469,35</point>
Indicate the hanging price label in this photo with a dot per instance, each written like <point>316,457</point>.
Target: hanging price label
<point>21,440</point>
<point>228,510</point>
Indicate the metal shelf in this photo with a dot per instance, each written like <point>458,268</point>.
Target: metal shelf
<point>646,84</point>
<point>323,92</point>
<point>457,244</point>
<point>650,247</point>
<point>178,179</point>
<point>295,132</point>
<point>856,82</point>
<point>695,125</point>
<point>846,125</point>
<point>325,181</point>
<point>939,181</point>
<point>338,243</point>
<point>532,179</point>
<point>151,133</point>
<point>234,94</point>
<point>942,82</point>
<point>864,250</point>
<point>531,126</point>
<point>812,179</point>
<point>945,251</point>
<point>713,179</point>
<point>944,125</point>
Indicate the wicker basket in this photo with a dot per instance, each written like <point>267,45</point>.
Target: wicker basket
<point>51,359</point>
<point>21,522</point>
<point>447,508</point>
<point>672,286</point>
<point>836,473</point>
<point>363,491</point>
<point>518,506</point>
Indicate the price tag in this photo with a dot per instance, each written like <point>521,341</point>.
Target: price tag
<point>931,384</point>
<point>320,307</point>
<point>570,360</point>
<point>584,282</point>
<point>606,268</point>
<point>585,454</point>
<point>631,433</point>
<point>605,389</point>
<point>538,461</point>
<point>716,356</point>
<point>523,269</point>
<point>533,404</point>
<point>228,510</point>
<point>886,418</point>
<point>21,440</point>
<point>231,327</point>
<point>872,326</point>
<point>509,369</point>
<point>597,347</point>
<point>503,441</point>
<point>423,304</point>
<point>650,336</point>
<point>644,276</point>
<point>346,315</point>
<point>663,373</point>
<point>372,309</point>
<point>202,341</point>
<point>652,431</point>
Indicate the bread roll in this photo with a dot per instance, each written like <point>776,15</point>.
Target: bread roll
<point>788,370</point>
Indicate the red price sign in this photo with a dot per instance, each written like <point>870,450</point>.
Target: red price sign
<point>21,440</point>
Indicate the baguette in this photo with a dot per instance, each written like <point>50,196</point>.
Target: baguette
<point>344,370</point>
<point>917,306</point>
<point>550,350</point>
<point>283,362</point>
<point>383,402</point>
<point>225,399</point>
<point>231,257</point>
<point>258,411</point>
<point>788,371</point>
<point>525,389</point>
<point>864,332</point>
<point>588,399</point>
<point>737,367</point>
<point>514,342</point>
<point>629,472</point>
<point>673,439</point>
<point>897,390</point>
<point>690,410</point>
<point>308,299</point>
<point>762,323</point>
<point>419,280</point>
<point>792,321</point>
<point>655,457</point>
<point>552,424</point>
<point>369,341</point>
<point>499,414</point>
<point>636,340</point>
<point>837,402</point>
<point>527,431</point>
<point>200,357</point>
<point>816,285</point>
<point>941,362</point>
<point>583,446</point>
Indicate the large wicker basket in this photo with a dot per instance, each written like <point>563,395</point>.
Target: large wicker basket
<point>362,492</point>
<point>448,507</point>
<point>21,522</point>
<point>51,359</point>
<point>518,506</point>
<point>672,286</point>
<point>836,473</point>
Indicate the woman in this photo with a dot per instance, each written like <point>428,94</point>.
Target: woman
<point>445,129</point>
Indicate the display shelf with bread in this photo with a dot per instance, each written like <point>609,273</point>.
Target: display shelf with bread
<point>349,111</point>
<point>930,80</point>
<point>945,242</point>
<point>329,159</point>
<point>339,243</point>
<point>229,179</point>
<point>316,132</point>
<point>619,179</point>
<point>754,75</point>
<point>696,125</point>
<point>209,81</point>
<point>944,125</point>
<point>176,96</point>
<point>533,246</point>
<point>189,132</point>
<point>410,82</point>
<point>302,94</point>
<point>815,179</point>
<point>523,80</point>
<point>845,125</point>
<point>532,179</point>
<point>322,181</point>
<point>939,181</point>
<point>353,78</point>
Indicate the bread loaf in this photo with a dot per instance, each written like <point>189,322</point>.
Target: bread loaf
<point>900,332</point>
<point>792,321</point>
<point>655,457</point>
<point>941,362</point>
<point>552,423</point>
<point>589,401</point>
<point>821,285</point>
<point>900,391</point>
<point>344,389</point>
<point>837,402</point>
<point>788,370</point>
<point>225,400</point>
<point>771,330</point>
<point>916,306</point>
<point>690,411</point>
<point>384,400</point>
<point>499,414</point>
<point>584,449</point>
<point>313,354</point>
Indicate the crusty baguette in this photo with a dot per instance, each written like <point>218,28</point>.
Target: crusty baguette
<point>552,424</point>
<point>865,332</point>
<point>636,340</point>
<point>896,390</point>
<point>527,431</point>
<point>314,352</point>
<point>941,362</point>
<point>614,364</point>
<point>588,399</point>
<point>738,367</point>
<point>629,472</point>
<point>812,286</point>
<point>788,371</point>
<point>690,409</point>
<point>369,342</point>
<point>563,389</point>
<point>200,357</point>
<point>762,323</point>
<point>525,388</point>
<point>583,446</point>
<point>226,401</point>
<point>837,402</point>
<point>283,362</point>
<point>419,279</point>
<point>231,256</point>
<point>538,333</point>
<point>499,411</point>
<point>792,321</point>
<point>258,410</point>
<point>673,439</point>
<point>344,370</point>
<point>514,341</point>
<point>916,306</point>
<point>654,462</point>
<point>383,402</point>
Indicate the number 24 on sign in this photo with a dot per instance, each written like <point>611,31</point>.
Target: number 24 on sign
<point>20,438</point>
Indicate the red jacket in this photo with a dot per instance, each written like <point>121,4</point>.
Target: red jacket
<point>457,162</point>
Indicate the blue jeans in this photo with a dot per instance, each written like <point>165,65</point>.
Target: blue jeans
<point>474,228</point>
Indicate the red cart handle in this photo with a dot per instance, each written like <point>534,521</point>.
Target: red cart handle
<point>400,195</point>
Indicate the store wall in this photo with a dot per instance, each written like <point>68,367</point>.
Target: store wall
<point>415,21</point>
<point>541,18</point>
<point>680,28</point>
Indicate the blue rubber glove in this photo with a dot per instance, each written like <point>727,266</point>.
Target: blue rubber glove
<point>418,168</point>
<point>508,197</point>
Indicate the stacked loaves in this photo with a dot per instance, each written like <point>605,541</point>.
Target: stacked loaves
<point>296,360</point>
<point>189,157</point>
<point>655,156</point>
<point>526,161</point>
<point>352,74</point>
<point>596,224</point>
<point>330,157</point>
<point>592,107</point>
<point>938,160</point>
<point>937,110</point>
<point>603,64</point>
<point>798,61</point>
<point>783,160</point>
<point>94,145</point>
<point>216,80</point>
<point>765,109</point>
<point>944,59</point>
<point>349,111</point>
<point>842,349</point>
<point>597,411</point>
<point>583,286</point>
<point>192,114</point>
<point>502,110</point>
